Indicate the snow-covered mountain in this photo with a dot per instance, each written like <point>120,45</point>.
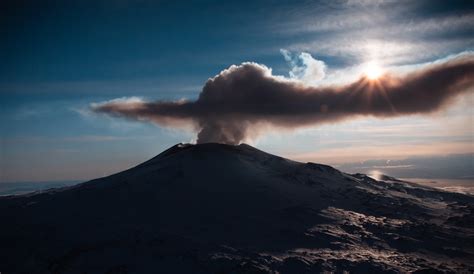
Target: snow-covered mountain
<point>214,208</point>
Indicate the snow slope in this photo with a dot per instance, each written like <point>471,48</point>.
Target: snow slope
<point>214,208</point>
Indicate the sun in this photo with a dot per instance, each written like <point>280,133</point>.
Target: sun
<point>373,71</point>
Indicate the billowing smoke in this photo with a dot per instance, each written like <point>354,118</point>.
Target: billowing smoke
<point>241,100</point>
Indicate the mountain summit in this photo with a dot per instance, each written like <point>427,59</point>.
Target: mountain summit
<point>214,208</point>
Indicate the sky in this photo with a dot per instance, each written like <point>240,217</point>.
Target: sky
<point>60,59</point>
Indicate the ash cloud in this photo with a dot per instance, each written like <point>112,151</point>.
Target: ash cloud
<point>240,101</point>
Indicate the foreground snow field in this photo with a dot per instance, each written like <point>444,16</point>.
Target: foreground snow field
<point>215,208</point>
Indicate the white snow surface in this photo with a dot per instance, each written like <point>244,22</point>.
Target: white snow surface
<point>214,208</point>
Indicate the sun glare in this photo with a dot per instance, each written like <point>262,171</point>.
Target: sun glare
<point>373,71</point>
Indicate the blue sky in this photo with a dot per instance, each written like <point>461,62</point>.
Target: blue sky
<point>58,57</point>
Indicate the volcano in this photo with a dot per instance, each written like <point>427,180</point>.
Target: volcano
<point>214,208</point>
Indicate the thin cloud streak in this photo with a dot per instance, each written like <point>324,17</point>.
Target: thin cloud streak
<point>238,103</point>
<point>399,33</point>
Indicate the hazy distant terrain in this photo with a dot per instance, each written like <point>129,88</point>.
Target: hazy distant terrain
<point>214,208</point>
<point>27,187</point>
<point>455,185</point>
<point>453,172</point>
<point>454,166</point>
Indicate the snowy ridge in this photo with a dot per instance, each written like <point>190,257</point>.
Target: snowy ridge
<point>214,208</point>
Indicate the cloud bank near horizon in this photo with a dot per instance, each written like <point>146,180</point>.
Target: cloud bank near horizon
<point>241,101</point>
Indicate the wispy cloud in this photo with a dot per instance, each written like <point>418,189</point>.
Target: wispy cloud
<point>394,33</point>
<point>71,139</point>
